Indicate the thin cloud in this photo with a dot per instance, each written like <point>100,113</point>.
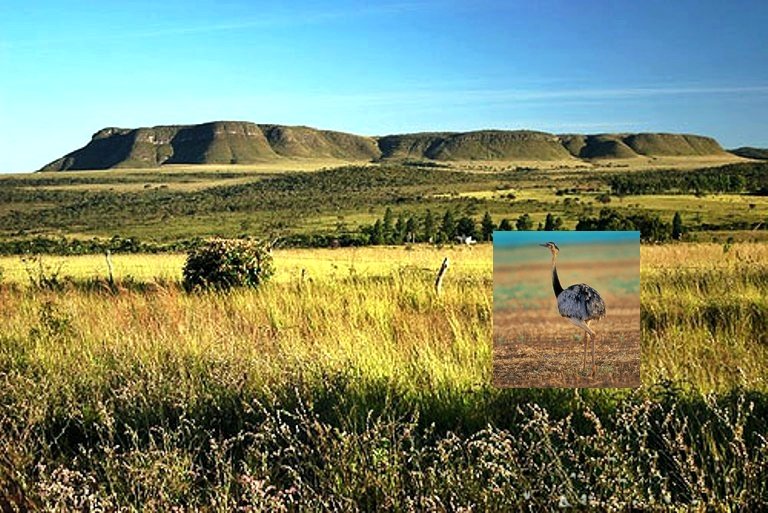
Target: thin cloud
<point>273,21</point>
<point>494,96</point>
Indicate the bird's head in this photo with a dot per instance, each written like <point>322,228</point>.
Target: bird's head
<point>552,247</point>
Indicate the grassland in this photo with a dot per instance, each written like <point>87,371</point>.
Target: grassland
<point>350,385</point>
<point>535,347</point>
<point>178,203</point>
<point>358,389</point>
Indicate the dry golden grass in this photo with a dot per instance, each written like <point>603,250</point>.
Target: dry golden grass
<point>268,166</point>
<point>631,164</point>
<point>358,385</point>
<point>684,286</point>
<point>316,264</point>
<point>138,186</point>
<point>687,162</point>
<point>498,165</point>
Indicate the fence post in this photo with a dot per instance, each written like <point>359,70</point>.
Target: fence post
<point>440,275</point>
<point>111,278</point>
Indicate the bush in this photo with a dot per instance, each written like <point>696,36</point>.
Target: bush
<point>226,263</point>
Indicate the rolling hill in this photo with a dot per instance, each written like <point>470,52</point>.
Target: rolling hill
<point>751,153</point>
<point>479,145</point>
<point>239,142</point>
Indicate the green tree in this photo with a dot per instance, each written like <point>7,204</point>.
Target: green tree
<point>677,226</point>
<point>487,227</point>
<point>377,233</point>
<point>524,222</point>
<point>429,227</point>
<point>448,226</point>
<point>552,223</point>
<point>549,223</point>
<point>651,227</point>
<point>399,231</point>
<point>505,225</point>
<point>410,229</point>
<point>387,226</point>
<point>466,227</point>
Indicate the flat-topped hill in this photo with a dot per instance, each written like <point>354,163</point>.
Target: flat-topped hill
<point>479,145</point>
<point>220,142</point>
<point>241,142</point>
<point>751,153</point>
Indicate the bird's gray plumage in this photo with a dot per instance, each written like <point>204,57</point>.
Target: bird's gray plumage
<point>581,302</point>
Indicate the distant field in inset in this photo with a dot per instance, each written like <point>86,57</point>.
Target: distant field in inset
<point>533,346</point>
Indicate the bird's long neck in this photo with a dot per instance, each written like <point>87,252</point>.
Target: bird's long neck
<point>555,280</point>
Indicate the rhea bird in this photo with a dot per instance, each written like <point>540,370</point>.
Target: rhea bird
<point>580,304</point>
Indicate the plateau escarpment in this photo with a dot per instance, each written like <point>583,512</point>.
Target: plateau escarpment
<point>239,142</point>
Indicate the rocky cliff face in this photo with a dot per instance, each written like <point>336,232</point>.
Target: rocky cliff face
<point>238,142</point>
<point>221,142</point>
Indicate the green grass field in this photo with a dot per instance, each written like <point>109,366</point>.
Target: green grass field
<point>357,388</point>
<point>179,203</point>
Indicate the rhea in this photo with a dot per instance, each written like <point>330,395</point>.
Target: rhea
<point>580,304</point>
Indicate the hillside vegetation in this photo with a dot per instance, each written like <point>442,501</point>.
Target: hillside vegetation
<point>751,153</point>
<point>239,142</point>
<point>223,142</point>
<point>143,209</point>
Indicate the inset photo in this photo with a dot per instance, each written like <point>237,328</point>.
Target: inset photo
<point>566,309</point>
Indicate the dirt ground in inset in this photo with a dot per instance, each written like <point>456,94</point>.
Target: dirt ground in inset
<point>533,346</point>
<point>538,348</point>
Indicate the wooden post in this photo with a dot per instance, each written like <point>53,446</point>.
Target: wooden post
<point>440,275</point>
<point>111,278</point>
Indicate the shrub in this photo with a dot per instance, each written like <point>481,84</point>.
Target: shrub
<point>226,263</point>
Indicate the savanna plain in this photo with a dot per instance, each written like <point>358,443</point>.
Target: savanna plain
<point>346,383</point>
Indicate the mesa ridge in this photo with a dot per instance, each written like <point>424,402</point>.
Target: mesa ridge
<point>242,142</point>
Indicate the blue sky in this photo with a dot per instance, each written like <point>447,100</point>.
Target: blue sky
<point>69,68</point>
<point>563,239</point>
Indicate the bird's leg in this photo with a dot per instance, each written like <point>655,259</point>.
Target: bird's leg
<point>584,360</point>
<point>593,351</point>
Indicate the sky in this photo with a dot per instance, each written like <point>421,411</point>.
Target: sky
<point>563,239</point>
<point>70,68</point>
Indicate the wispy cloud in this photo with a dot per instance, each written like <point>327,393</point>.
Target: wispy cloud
<point>425,95</point>
<point>532,95</point>
<point>588,126</point>
<point>275,20</point>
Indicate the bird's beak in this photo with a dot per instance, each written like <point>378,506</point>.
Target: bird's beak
<point>543,245</point>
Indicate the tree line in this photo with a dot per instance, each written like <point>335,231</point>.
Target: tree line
<point>428,227</point>
<point>436,228</point>
<point>446,228</point>
<point>651,227</point>
<point>750,178</point>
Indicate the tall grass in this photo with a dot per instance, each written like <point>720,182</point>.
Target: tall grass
<point>358,389</point>
<point>705,315</point>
